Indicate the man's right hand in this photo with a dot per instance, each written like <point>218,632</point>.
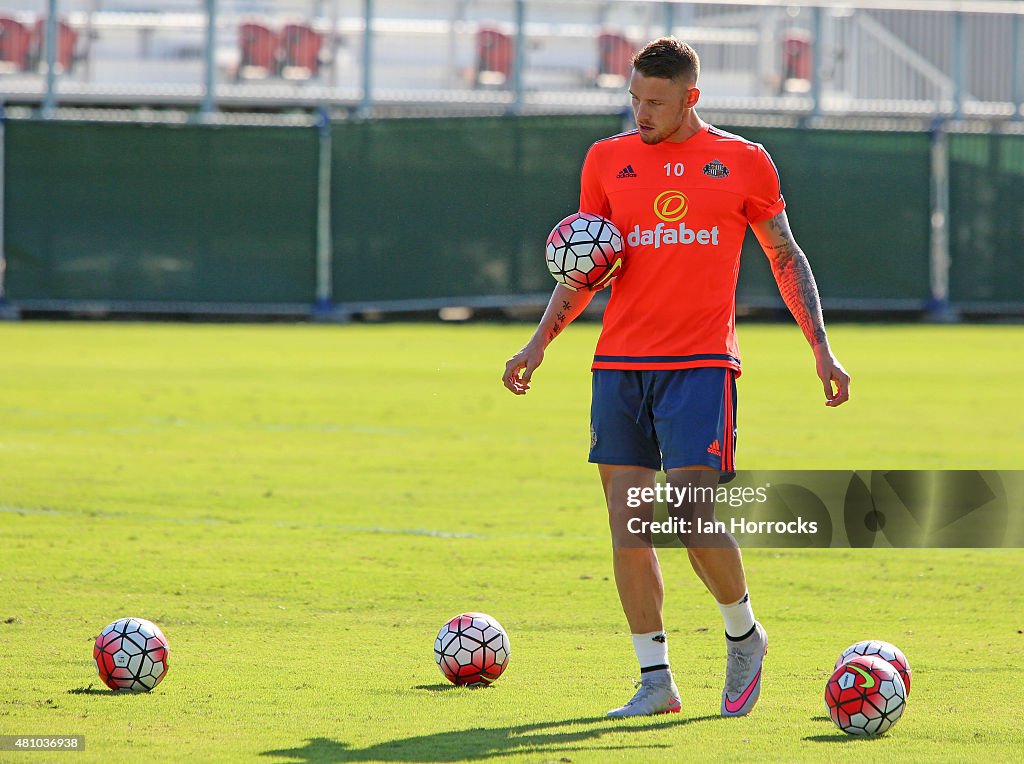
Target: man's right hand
<point>521,366</point>
<point>563,307</point>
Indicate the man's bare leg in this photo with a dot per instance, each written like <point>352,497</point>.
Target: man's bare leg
<point>641,590</point>
<point>716,559</point>
<point>637,571</point>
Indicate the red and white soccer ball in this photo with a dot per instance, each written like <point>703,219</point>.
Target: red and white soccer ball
<point>472,649</point>
<point>131,654</point>
<point>584,252</point>
<point>865,696</point>
<point>889,652</point>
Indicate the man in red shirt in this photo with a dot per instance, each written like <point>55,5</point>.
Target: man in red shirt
<point>682,193</point>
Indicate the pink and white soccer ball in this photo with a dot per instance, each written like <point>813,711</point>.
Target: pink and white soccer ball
<point>884,650</point>
<point>584,252</point>
<point>865,696</point>
<point>472,649</point>
<point>131,654</point>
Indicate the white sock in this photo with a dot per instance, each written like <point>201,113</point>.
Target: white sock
<point>738,617</point>
<point>651,650</point>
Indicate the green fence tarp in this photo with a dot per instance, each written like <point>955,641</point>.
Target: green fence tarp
<point>453,207</point>
<point>859,206</point>
<point>127,212</point>
<point>986,222</point>
<point>446,208</point>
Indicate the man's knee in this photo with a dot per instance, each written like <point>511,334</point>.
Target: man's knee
<point>629,515</point>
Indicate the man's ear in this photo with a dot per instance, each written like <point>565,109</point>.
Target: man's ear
<point>692,96</point>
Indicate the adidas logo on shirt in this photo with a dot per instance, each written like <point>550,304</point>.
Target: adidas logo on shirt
<point>626,172</point>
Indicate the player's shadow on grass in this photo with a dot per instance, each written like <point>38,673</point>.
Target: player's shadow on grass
<point>841,737</point>
<point>439,687</point>
<point>835,736</point>
<point>103,691</point>
<point>487,742</point>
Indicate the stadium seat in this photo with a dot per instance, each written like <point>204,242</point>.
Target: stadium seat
<point>301,46</point>
<point>494,54</point>
<point>260,51</point>
<point>67,39</point>
<point>797,59</point>
<point>615,59</point>
<point>15,45</point>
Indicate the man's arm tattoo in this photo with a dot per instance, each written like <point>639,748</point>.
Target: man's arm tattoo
<point>796,282</point>
<point>556,328</point>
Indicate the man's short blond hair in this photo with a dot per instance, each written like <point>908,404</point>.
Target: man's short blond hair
<point>668,58</point>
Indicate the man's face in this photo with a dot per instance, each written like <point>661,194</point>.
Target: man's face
<point>660,106</point>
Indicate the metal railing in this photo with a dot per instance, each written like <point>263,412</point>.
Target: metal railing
<point>521,56</point>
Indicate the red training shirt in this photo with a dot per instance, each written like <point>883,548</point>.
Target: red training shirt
<point>683,210</point>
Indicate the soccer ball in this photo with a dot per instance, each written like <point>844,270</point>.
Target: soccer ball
<point>889,652</point>
<point>584,251</point>
<point>131,654</point>
<point>472,649</point>
<point>865,696</point>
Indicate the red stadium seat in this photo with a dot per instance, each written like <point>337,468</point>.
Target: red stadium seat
<point>615,59</point>
<point>797,60</point>
<point>301,46</point>
<point>67,39</point>
<point>15,45</point>
<point>494,55</point>
<point>260,51</point>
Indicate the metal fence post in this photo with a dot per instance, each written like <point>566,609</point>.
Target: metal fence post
<point>324,304</point>
<point>959,63</point>
<point>7,312</point>
<point>332,77</point>
<point>210,55</point>
<point>517,62</point>
<point>3,257</point>
<point>938,307</point>
<point>817,61</point>
<point>1017,76</point>
<point>366,104</point>
<point>50,99</point>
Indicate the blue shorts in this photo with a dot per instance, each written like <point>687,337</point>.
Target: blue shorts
<point>663,419</point>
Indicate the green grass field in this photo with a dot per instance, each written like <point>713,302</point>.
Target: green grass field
<point>300,508</point>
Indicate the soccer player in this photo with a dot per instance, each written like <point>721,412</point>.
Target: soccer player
<point>682,193</point>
